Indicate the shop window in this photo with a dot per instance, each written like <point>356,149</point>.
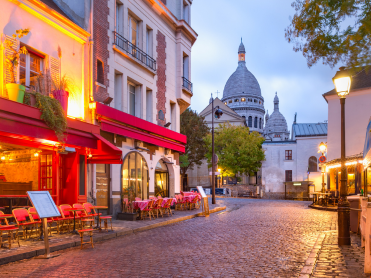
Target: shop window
<point>288,175</point>
<point>46,172</point>
<point>312,164</point>
<point>288,154</point>
<point>100,72</point>
<point>30,67</point>
<point>250,121</point>
<point>351,180</point>
<point>82,176</point>
<point>135,177</point>
<point>162,180</point>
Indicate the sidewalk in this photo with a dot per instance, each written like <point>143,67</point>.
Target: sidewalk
<point>32,247</point>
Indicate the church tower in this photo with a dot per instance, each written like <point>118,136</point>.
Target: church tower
<point>243,95</point>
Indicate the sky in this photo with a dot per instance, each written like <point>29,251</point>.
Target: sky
<point>220,24</point>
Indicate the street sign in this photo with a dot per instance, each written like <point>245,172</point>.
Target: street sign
<point>322,159</point>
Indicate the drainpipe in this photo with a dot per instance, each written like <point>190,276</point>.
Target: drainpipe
<point>91,63</point>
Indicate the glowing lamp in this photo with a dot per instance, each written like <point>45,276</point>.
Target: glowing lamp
<point>342,82</point>
<point>36,154</point>
<point>219,170</point>
<point>92,105</point>
<point>3,158</point>
<point>322,147</point>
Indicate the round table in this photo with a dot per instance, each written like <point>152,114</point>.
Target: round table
<point>98,222</point>
<point>74,210</point>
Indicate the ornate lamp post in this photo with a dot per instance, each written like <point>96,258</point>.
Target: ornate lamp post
<point>342,81</point>
<point>322,149</point>
<point>218,113</point>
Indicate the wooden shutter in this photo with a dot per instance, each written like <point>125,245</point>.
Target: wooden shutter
<point>55,66</point>
<point>8,51</point>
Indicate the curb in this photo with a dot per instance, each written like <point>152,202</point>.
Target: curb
<point>310,263</point>
<point>97,238</point>
<point>323,208</point>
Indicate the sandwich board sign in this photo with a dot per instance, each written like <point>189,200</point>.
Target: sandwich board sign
<point>205,201</point>
<point>45,207</point>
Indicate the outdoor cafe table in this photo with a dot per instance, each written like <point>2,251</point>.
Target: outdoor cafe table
<point>74,210</point>
<point>98,222</point>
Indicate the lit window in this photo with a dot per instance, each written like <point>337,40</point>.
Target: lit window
<point>230,101</point>
<point>236,100</point>
<point>30,67</point>
<point>225,103</point>
<point>243,99</point>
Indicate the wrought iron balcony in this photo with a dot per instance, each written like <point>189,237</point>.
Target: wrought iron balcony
<point>187,84</point>
<point>134,51</point>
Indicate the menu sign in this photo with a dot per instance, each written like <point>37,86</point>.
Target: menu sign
<point>43,203</point>
<point>202,192</point>
<point>205,201</point>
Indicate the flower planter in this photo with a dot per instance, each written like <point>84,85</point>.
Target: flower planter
<point>127,216</point>
<point>62,97</point>
<point>15,92</point>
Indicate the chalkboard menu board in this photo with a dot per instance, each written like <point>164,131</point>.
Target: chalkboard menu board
<point>43,203</point>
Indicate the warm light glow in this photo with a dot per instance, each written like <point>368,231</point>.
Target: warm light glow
<point>219,170</point>
<point>92,105</point>
<point>36,154</point>
<point>342,85</point>
<point>3,158</point>
<point>346,164</point>
<point>76,106</point>
<point>322,147</point>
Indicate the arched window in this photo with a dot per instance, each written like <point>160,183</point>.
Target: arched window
<point>260,123</point>
<point>250,121</point>
<point>256,122</point>
<point>161,179</point>
<point>312,164</point>
<point>135,177</point>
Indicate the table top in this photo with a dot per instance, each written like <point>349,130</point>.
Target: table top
<point>73,209</point>
<point>6,215</point>
<point>99,207</point>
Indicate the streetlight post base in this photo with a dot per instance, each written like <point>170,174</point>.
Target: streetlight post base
<point>343,223</point>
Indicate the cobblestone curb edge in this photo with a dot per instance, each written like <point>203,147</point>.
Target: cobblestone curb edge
<point>310,263</point>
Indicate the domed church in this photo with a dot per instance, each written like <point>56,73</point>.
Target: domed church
<point>243,95</point>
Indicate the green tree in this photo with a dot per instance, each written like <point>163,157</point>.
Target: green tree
<point>195,128</point>
<point>238,150</point>
<point>332,30</point>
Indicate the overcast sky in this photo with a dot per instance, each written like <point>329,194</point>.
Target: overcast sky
<point>220,24</point>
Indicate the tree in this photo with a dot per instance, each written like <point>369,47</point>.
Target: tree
<point>195,128</point>
<point>238,150</point>
<point>332,30</point>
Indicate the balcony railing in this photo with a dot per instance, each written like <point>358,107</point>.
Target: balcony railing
<point>187,84</point>
<point>134,51</point>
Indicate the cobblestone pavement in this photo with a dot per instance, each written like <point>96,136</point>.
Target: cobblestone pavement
<point>253,238</point>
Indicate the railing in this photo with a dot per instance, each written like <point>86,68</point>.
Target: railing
<point>134,51</point>
<point>187,84</point>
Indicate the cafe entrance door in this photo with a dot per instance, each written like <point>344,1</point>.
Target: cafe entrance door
<point>103,180</point>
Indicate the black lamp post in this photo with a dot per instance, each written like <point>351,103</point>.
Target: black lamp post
<point>217,115</point>
<point>342,83</point>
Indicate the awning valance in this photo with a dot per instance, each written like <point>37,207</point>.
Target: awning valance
<point>106,153</point>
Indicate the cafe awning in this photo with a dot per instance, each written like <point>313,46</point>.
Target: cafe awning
<point>118,122</point>
<point>106,153</point>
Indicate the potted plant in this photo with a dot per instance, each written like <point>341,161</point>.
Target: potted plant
<point>63,90</point>
<point>15,90</point>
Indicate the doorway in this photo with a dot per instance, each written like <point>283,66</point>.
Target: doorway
<point>103,179</point>
<point>161,179</point>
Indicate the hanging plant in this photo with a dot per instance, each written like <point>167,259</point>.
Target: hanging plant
<point>27,98</point>
<point>52,114</point>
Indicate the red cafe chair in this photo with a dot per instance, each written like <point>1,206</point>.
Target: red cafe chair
<point>68,215</point>
<point>36,219</point>
<point>157,207</point>
<point>84,217</point>
<point>167,207</point>
<point>20,216</point>
<point>148,210</point>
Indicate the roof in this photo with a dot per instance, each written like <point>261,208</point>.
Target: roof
<point>350,158</point>
<point>360,80</point>
<point>309,130</point>
<point>280,142</point>
<point>55,7</point>
<point>223,107</point>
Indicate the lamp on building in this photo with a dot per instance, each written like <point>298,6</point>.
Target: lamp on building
<point>167,124</point>
<point>107,101</point>
<point>342,81</point>
<point>322,148</point>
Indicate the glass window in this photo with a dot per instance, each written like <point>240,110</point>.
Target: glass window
<point>162,179</point>
<point>133,31</point>
<point>351,181</point>
<point>132,100</point>
<point>288,174</point>
<point>256,122</point>
<point>288,155</point>
<point>243,99</point>
<point>29,68</point>
<point>135,177</point>
<point>250,121</point>
<point>312,164</point>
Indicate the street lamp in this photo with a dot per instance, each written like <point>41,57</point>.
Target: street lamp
<point>217,114</point>
<point>342,81</point>
<point>322,159</point>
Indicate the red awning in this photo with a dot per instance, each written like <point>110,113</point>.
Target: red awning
<point>118,122</point>
<point>106,153</point>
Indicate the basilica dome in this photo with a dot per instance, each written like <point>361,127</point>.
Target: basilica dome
<point>242,81</point>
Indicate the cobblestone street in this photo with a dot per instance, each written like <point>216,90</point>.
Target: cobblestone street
<point>252,238</point>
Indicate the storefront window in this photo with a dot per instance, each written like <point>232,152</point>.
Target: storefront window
<point>369,180</point>
<point>333,180</point>
<point>351,180</point>
<point>135,177</point>
<point>162,180</point>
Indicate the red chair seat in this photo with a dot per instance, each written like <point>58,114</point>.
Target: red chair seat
<point>106,217</point>
<point>6,226</point>
<point>9,228</point>
<point>87,220</point>
<point>85,230</point>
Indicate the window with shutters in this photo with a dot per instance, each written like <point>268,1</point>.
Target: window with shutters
<point>288,155</point>
<point>30,67</point>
